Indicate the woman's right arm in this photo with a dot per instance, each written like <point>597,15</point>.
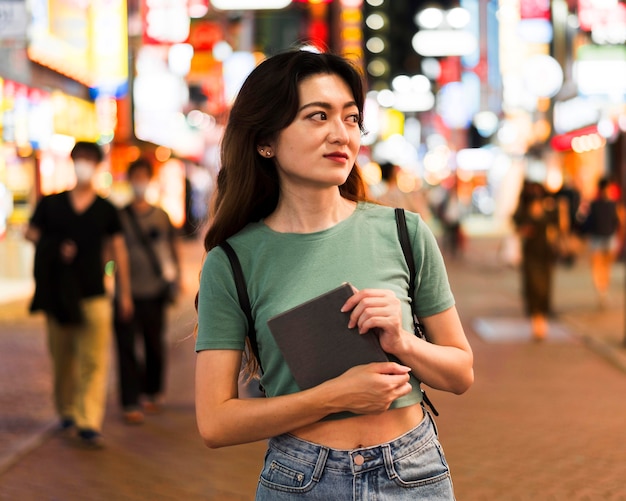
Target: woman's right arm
<point>225,419</point>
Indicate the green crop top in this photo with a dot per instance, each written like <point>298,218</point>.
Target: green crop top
<point>283,270</point>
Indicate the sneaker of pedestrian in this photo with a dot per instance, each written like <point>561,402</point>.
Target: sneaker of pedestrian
<point>152,405</point>
<point>66,426</point>
<point>133,416</point>
<point>66,423</point>
<point>89,439</point>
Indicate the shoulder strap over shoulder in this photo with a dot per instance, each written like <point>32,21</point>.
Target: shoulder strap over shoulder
<point>405,243</point>
<point>242,294</point>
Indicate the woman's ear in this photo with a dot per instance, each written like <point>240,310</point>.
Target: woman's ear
<point>265,151</point>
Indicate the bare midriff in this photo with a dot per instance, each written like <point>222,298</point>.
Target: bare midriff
<point>362,431</point>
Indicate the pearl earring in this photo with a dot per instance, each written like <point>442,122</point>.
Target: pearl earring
<point>267,153</point>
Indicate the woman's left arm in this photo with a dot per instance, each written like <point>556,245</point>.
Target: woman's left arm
<point>444,362</point>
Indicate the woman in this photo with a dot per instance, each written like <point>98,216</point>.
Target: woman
<point>536,221</point>
<point>290,201</point>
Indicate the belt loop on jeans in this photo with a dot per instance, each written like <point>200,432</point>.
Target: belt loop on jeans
<point>431,419</point>
<point>388,458</point>
<point>321,462</point>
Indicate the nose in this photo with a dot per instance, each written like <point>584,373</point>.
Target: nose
<point>338,132</point>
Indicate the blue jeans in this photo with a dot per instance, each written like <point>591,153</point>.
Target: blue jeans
<point>410,467</point>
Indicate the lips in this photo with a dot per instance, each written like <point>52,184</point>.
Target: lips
<point>337,156</point>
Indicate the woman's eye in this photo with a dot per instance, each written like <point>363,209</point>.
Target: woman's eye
<point>320,115</point>
<point>354,118</point>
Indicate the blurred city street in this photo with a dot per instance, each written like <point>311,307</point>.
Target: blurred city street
<point>495,120</point>
<point>543,421</point>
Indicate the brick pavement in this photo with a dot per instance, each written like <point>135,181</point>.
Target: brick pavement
<point>543,421</point>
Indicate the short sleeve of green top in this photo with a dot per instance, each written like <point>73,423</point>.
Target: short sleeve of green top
<point>283,270</point>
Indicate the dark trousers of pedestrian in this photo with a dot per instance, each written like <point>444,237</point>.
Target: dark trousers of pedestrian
<point>137,377</point>
<point>452,239</point>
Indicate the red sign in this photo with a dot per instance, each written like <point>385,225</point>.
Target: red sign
<point>535,9</point>
<point>204,35</point>
<point>591,17</point>
<point>563,142</point>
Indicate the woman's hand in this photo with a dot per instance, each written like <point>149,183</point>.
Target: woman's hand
<point>380,311</point>
<point>368,389</point>
<point>444,362</point>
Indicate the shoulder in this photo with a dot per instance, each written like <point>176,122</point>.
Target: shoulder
<point>105,204</point>
<point>373,213</point>
<point>161,214</point>
<point>108,213</point>
<point>247,240</point>
<point>55,198</point>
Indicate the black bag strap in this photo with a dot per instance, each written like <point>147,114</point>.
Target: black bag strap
<point>405,243</point>
<point>143,239</point>
<point>242,294</point>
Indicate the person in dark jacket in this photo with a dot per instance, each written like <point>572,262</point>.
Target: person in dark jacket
<point>71,231</point>
<point>602,228</point>
<point>536,222</point>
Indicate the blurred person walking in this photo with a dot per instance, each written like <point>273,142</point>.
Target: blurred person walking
<point>537,223</point>
<point>450,213</point>
<point>73,231</point>
<point>604,231</point>
<point>570,242</point>
<point>155,277</point>
<point>393,196</point>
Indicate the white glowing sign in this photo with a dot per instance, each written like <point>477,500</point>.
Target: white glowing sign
<point>249,4</point>
<point>440,43</point>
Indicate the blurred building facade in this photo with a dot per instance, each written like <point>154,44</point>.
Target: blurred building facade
<point>458,91</point>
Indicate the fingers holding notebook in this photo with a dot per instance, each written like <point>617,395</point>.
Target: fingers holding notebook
<point>369,388</point>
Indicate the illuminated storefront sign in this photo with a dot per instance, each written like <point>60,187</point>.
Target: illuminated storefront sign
<point>165,21</point>
<point>13,19</point>
<point>574,114</point>
<point>594,14</point>
<point>86,41</point>
<point>580,141</point>
<point>109,60</point>
<point>351,32</point>
<point>439,43</point>
<point>535,9</point>
<point>601,70</point>
<point>249,4</point>
<point>74,117</point>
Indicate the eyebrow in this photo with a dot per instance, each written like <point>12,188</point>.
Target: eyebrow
<point>325,105</point>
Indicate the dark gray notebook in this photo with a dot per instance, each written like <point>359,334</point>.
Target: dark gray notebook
<point>315,340</point>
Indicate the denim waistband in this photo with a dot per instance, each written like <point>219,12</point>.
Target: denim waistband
<point>359,459</point>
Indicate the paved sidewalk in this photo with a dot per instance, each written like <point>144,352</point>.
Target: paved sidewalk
<point>544,421</point>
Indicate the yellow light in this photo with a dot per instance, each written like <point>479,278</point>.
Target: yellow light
<point>465,175</point>
<point>541,130</point>
<point>352,16</point>
<point>24,150</point>
<point>162,153</point>
<point>371,173</point>
<point>351,34</point>
<point>406,181</point>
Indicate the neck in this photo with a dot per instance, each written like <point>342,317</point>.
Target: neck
<point>297,214</point>
<point>83,189</point>
<point>141,204</point>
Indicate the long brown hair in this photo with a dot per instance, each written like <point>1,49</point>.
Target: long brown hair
<point>248,184</point>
